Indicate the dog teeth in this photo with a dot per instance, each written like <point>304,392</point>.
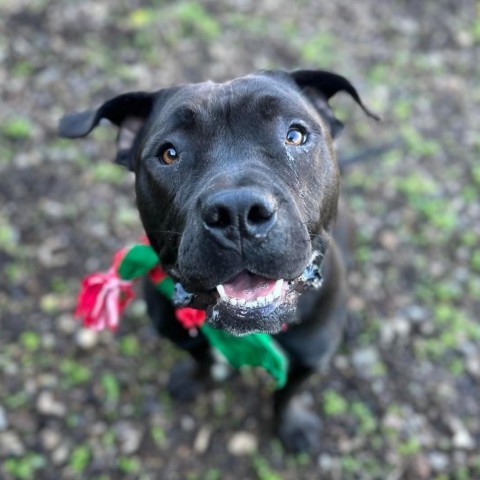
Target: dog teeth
<point>261,301</point>
<point>258,302</point>
<point>221,292</point>
<point>277,291</point>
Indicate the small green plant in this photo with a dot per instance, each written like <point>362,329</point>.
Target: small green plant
<point>475,260</point>
<point>26,467</point>
<point>476,174</point>
<point>30,340</point>
<point>16,400</point>
<point>469,239</point>
<point>333,403</point>
<point>74,373</point>
<point>193,17</point>
<point>108,438</point>
<point>158,436</point>
<point>350,465</point>
<point>416,185</point>
<point>212,474</point>
<point>318,49</point>
<point>107,172</point>
<point>402,109</point>
<point>364,416</point>
<point>111,388</point>
<point>79,459</point>
<point>129,346</point>
<point>409,447</point>
<point>22,68</point>
<point>262,469</point>
<point>58,285</point>
<point>424,195</point>
<point>128,465</point>
<point>417,144</point>
<point>142,17</point>
<point>18,128</point>
<point>8,235</point>
<point>6,155</point>
<point>461,473</point>
<point>457,366</point>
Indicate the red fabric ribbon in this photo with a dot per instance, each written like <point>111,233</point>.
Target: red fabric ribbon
<point>102,299</point>
<point>190,317</point>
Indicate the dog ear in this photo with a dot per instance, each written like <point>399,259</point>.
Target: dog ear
<point>128,112</point>
<point>320,86</point>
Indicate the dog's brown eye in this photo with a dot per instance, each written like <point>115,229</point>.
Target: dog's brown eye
<point>295,137</point>
<point>169,156</point>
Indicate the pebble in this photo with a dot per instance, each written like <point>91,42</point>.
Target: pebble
<point>50,438</point>
<point>11,369</point>
<point>3,419</point>
<point>187,423</point>
<point>49,341</point>
<point>67,324</point>
<point>220,371</point>
<point>473,366</point>
<point>327,463</point>
<point>99,428</point>
<point>47,405</point>
<point>392,420</point>
<point>389,240</point>
<point>416,313</point>
<point>129,436</point>
<point>11,444</point>
<point>438,461</point>
<point>341,362</point>
<point>462,439</point>
<point>138,309</point>
<point>86,339</point>
<point>421,467</point>
<point>202,440</point>
<point>396,328</point>
<point>364,358</point>
<point>60,454</point>
<point>242,443</point>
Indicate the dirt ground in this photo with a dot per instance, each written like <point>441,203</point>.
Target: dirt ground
<point>402,398</point>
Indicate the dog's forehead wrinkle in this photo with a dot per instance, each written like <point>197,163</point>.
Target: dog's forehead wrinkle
<point>256,91</point>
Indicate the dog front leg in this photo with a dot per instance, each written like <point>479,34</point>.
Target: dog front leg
<point>297,427</point>
<point>190,376</point>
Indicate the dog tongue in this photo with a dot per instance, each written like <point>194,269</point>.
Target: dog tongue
<point>247,286</point>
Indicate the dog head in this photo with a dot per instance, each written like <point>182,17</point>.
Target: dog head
<point>236,183</point>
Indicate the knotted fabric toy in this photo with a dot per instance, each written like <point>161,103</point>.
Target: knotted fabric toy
<point>104,296</point>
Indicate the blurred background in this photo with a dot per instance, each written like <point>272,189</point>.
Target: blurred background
<point>401,400</point>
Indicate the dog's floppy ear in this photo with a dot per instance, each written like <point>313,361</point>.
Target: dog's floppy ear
<point>128,112</point>
<point>320,86</point>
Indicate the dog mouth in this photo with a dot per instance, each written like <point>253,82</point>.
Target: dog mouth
<point>248,291</point>
<point>252,303</point>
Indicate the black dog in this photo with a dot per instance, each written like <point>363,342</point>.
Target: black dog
<point>237,187</point>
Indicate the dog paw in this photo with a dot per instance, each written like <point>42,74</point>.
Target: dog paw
<point>299,429</point>
<point>187,380</point>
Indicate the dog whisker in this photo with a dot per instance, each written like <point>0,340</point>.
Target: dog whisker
<point>168,232</point>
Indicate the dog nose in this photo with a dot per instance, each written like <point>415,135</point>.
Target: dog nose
<point>249,211</point>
